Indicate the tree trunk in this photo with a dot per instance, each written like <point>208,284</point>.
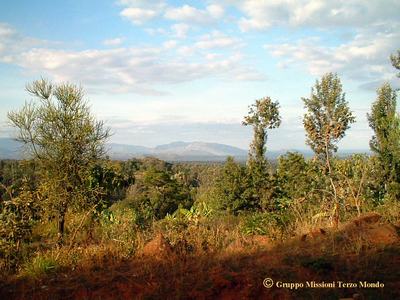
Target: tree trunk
<point>335,213</point>
<point>61,225</point>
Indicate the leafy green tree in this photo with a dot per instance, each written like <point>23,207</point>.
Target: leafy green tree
<point>157,193</point>
<point>14,175</point>
<point>17,217</point>
<point>110,181</point>
<point>292,175</point>
<point>231,187</point>
<point>62,135</point>
<point>262,115</point>
<point>328,116</point>
<point>385,142</point>
<point>326,121</point>
<point>354,176</point>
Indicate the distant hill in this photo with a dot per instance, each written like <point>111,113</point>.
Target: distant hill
<point>10,149</point>
<point>180,151</point>
<point>176,151</point>
<point>122,151</point>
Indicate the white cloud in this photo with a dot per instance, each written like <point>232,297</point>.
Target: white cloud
<point>132,69</point>
<point>217,39</point>
<point>262,14</point>
<point>141,11</point>
<point>186,51</point>
<point>6,30</point>
<point>113,42</point>
<point>12,43</point>
<point>138,15</point>
<point>170,44</point>
<point>215,11</point>
<point>187,13</point>
<point>211,56</point>
<point>156,31</point>
<point>365,58</point>
<point>180,30</point>
<point>212,41</point>
<point>128,69</point>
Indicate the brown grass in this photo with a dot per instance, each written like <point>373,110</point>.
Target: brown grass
<point>177,265</point>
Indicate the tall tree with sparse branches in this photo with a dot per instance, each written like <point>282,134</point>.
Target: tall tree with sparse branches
<point>327,118</point>
<point>62,135</point>
<point>385,142</point>
<point>263,115</point>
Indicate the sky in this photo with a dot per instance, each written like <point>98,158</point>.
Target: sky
<point>163,71</point>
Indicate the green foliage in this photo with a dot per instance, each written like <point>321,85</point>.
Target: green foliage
<point>39,266</point>
<point>326,121</point>
<point>269,224</point>
<point>255,224</point>
<point>59,131</point>
<point>196,212</point>
<point>157,193</point>
<point>17,217</point>
<point>232,187</point>
<point>120,224</point>
<point>354,181</point>
<point>292,174</point>
<point>263,115</point>
<point>14,175</point>
<point>328,116</point>
<point>385,123</point>
<point>395,59</point>
<point>111,183</point>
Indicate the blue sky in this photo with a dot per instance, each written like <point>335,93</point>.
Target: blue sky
<point>161,71</point>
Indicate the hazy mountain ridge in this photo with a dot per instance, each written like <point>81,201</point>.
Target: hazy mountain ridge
<point>175,151</point>
<point>11,149</point>
<point>179,151</point>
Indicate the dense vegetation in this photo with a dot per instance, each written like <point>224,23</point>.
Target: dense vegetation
<point>69,205</point>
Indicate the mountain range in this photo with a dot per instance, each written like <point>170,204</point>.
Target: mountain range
<point>176,151</point>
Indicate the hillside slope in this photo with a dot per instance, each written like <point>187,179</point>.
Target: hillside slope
<point>362,254</point>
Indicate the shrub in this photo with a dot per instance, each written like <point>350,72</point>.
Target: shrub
<point>17,217</point>
<point>40,265</point>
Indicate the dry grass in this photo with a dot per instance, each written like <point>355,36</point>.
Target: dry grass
<point>211,259</point>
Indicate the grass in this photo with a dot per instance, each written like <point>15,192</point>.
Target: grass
<point>210,257</point>
<point>39,266</point>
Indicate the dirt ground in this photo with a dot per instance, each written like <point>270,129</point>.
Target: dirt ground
<point>366,253</point>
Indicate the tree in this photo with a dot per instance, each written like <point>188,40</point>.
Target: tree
<point>263,115</point>
<point>294,181</point>
<point>328,117</point>
<point>395,59</point>
<point>231,186</point>
<point>385,123</point>
<point>326,121</point>
<point>65,139</point>
<point>157,193</point>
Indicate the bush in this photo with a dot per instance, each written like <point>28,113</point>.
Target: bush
<point>232,188</point>
<point>17,217</point>
<point>157,193</point>
<point>269,224</point>
<point>40,265</point>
